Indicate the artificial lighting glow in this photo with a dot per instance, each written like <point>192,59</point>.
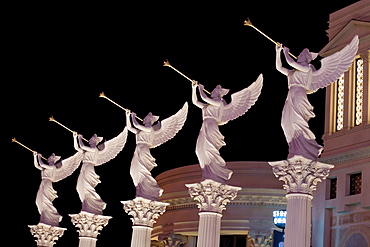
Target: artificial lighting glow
<point>340,102</point>
<point>359,90</point>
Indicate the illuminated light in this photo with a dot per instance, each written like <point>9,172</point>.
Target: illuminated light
<point>359,90</point>
<point>340,103</point>
<point>279,218</point>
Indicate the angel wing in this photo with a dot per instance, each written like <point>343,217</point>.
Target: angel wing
<point>333,66</point>
<point>241,101</point>
<point>68,166</point>
<point>112,148</point>
<point>170,126</point>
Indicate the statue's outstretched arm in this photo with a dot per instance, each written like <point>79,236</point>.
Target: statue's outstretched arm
<point>293,63</point>
<point>137,125</point>
<point>39,164</point>
<point>36,161</point>
<point>195,100</point>
<point>279,65</point>
<point>76,143</point>
<point>128,123</point>
<point>208,99</point>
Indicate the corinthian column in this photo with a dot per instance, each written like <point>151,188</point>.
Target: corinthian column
<point>212,197</point>
<point>46,234</point>
<point>144,212</point>
<point>89,225</point>
<point>300,176</point>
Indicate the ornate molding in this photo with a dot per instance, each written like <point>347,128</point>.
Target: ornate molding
<point>346,157</point>
<point>212,196</point>
<point>89,224</point>
<point>173,240</point>
<point>299,174</point>
<point>46,235</point>
<point>144,212</point>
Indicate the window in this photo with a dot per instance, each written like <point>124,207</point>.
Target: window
<point>333,188</point>
<point>340,103</point>
<point>355,184</point>
<point>359,90</point>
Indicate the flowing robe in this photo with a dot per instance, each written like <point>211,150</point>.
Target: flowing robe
<point>88,180</point>
<point>209,142</point>
<point>296,113</point>
<point>141,165</point>
<point>46,195</point>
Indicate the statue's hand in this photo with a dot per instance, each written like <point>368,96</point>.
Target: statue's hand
<point>286,50</point>
<point>74,133</point>
<point>278,47</point>
<point>194,84</point>
<point>128,113</point>
<point>201,87</point>
<point>35,153</point>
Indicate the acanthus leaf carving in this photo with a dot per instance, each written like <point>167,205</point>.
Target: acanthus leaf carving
<point>299,174</point>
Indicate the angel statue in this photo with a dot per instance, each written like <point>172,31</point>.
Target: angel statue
<point>150,136</point>
<point>54,171</point>
<point>304,79</point>
<point>95,155</point>
<point>217,112</point>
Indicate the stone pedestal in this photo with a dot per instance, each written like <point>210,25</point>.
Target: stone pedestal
<point>46,235</point>
<point>144,212</point>
<point>89,225</point>
<point>300,176</point>
<point>212,197</point>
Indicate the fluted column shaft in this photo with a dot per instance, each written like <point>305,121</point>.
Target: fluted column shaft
<point>209,229</point>
<point>301,176</point>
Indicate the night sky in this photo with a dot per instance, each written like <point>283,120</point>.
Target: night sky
<point>59,58</point>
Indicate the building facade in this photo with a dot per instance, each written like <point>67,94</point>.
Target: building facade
<point>247,220</point>
<point>341,206</point>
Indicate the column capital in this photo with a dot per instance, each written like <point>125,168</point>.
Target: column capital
<point>144,212</point>
<point>46,234</point>
<point>299,174</point>
<point>89,224</point>
<point>212,196</point>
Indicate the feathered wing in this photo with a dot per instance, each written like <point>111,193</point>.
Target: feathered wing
<point>68,166</point>
<point>112,148</point>
<point>333,66</point>
<point>170,126</point>
<point>241,101</point>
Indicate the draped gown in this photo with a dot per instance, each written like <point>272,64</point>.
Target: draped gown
<point>209,142</point>
<point>296,113</point>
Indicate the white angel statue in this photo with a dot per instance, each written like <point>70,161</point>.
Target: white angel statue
<point>95,155</point>
<point>217,112</point>
<point>54,171</point>
<point>147,137</point>
<point>304,79</point>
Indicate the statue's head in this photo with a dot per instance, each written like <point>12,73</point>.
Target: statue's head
<point>53,159</point>
<point>219,92</point>
<point>94,140</point>
<point>306,56</point>
<point>150,119</point>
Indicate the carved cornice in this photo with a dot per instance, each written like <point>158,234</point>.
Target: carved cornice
<point>144,212</point>
<point>246,198</point>
<point>300,175</point>
<point>46,235</point>
<point>212,196</point>
<point>89,224</point>
<point>346,157</point>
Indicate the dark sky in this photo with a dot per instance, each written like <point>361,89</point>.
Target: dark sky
<point>59,58</point>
